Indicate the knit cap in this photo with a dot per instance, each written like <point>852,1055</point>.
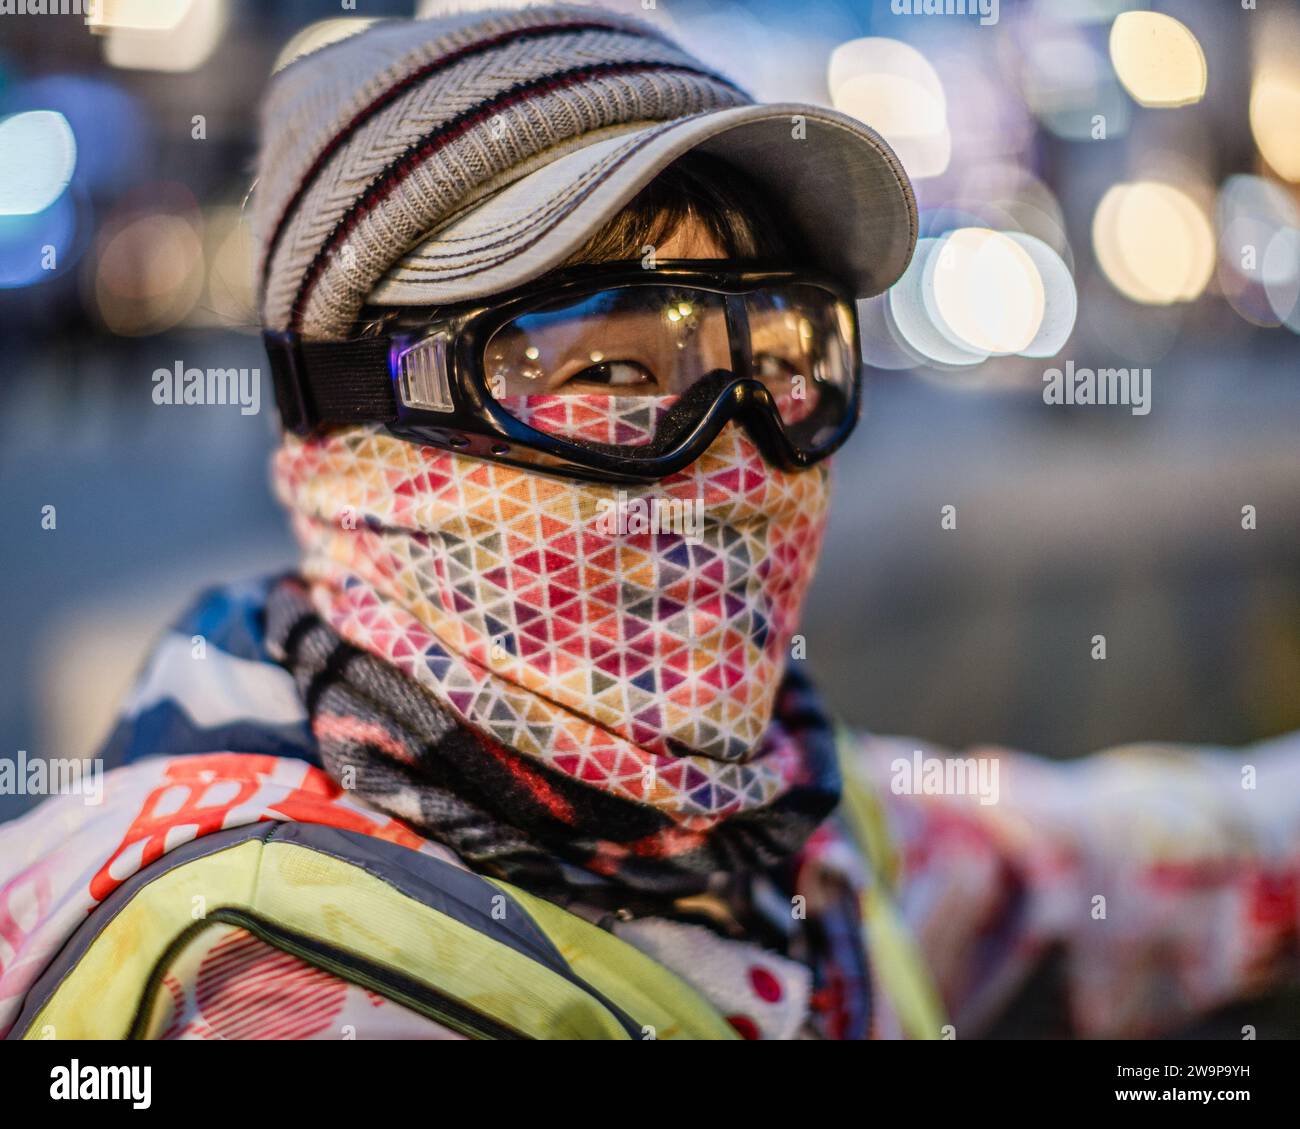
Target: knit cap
<point>424,162</point>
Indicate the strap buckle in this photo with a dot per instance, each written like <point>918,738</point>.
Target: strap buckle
<point>284,351</point>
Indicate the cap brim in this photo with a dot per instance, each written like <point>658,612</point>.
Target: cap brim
<point>833,178</point>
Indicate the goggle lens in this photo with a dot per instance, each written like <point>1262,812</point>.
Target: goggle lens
<point>607,367</point>
<point>801,349</point>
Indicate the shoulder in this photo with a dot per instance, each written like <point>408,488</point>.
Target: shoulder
<point>210,685</point>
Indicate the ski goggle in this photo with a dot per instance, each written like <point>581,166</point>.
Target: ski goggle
<point>614,373</point>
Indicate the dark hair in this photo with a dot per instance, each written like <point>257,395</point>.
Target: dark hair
<point>700,188</point>
<point>697,187</point>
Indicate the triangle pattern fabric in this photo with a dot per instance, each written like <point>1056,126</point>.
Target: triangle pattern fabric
<point>619,634</point>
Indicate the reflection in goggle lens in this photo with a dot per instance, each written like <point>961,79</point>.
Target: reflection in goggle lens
<point>606,367</point>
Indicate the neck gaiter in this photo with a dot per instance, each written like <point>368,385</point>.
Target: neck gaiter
<point>662,613</point>
<point>633,638</point>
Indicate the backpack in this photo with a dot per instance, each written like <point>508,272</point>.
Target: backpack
<point>479,956</point>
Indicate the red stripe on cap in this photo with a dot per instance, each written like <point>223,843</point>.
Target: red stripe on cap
<point>385,184</point>
<point>392,93</point>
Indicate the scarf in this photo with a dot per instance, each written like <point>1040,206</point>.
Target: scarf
<point>625,679</point>
<point>393,743</point>
<point>695,901</point>
<point>591,708</point>
<point>550,614</point>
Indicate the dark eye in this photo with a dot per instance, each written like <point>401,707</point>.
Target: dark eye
<point>614,374</point>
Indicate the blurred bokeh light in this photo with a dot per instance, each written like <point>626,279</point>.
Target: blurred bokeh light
<point>36,247</point>
<point>1275,116</point>
<point>1158,59</point>
<point>37,155</point>
<point>1069,84</point>
<point>1154,242</point>
<point>150,267</point>
<point>892,87</point>
<point>985,292</point>
<point>139,15</point>
<point>159,35</point>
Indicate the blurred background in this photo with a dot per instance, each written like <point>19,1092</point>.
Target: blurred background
<point>1104,182</point>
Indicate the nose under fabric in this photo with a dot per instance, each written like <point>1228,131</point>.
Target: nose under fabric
<point>557,614</point>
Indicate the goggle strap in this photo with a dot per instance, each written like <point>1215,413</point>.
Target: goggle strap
<point>330,383</point>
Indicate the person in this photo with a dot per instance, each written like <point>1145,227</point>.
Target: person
<point>562,331</point>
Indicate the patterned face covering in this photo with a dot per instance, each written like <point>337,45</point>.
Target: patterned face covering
<point>571,619</point>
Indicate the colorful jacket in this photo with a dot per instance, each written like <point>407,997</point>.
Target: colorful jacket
<point>227,887</point>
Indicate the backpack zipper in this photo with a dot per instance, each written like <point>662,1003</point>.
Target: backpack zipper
<point>418,997</point>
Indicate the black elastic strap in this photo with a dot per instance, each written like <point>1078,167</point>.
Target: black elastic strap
<point>330,383</point>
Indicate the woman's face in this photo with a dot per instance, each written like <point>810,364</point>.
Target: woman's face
<point>641,341</point>
<point>672,638</point>
<point>635,341</point>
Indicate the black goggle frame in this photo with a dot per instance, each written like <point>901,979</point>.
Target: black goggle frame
<point>429,386</point>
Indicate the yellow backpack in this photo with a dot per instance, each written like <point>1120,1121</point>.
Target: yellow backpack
<point>479,956</point>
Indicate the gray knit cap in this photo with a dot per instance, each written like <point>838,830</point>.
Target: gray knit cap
<point>429,161</point>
